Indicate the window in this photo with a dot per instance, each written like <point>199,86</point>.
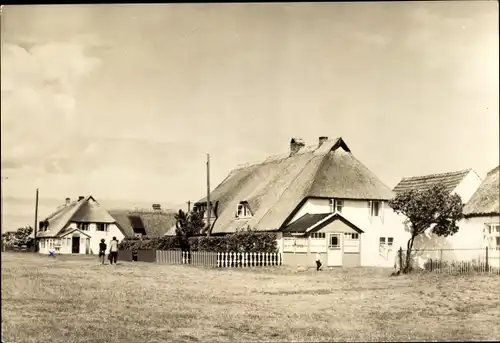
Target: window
<point>339,204</point>
<point>243,210</point>
<point>374,208</point>
<point>386,244</point>
<point>83,226</point>
<point>102,227</point>
<point>336,205</point>
<point>334,241</point>
<point>351,236</point>
<point>42,243</point>
<point>318,235</point>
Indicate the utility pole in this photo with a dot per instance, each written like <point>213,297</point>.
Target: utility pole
<point>208,195</point>
<point>36,220</point>
<point>189,206</point>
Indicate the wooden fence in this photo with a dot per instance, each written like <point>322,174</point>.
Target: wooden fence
<point>219,260</point>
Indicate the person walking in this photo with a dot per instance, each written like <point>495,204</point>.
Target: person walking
<point>102,251</point>
<point>113,250</point>
<point>318,261</point>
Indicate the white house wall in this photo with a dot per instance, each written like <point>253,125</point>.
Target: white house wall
<point>95,239</point>
<point>388,224</point>
<point>468,186</point>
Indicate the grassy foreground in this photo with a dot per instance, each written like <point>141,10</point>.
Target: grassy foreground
<point>73,299</point>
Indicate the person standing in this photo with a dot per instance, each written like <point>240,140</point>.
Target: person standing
<point>113,250</point>
<point>318,261</point>
<point>102,251</point>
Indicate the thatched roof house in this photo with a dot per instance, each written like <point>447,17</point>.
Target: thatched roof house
<point>151,223</point>
<point>486,200</point>
<point>83,210</point>
<point>449,180</point>
<point>272,191</point>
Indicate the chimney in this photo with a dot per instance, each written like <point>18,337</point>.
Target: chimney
<point>80,198</point>
<point>68,200</point>
<point>295,145</point>
<point>156,207</point>
<point>322,139</point>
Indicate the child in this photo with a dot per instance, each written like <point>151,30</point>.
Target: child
<point>318,261</point>
<point>102,251</point>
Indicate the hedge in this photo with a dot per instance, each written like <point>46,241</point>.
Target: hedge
<point>246,241</point>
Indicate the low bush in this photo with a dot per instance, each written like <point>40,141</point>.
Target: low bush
<point>244,241</point>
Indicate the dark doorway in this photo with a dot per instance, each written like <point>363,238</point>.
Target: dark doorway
<point>76,245</point>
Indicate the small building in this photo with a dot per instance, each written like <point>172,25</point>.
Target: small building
<point>464,183</point>
<point>482,216</point>
<point>318,198</point>
<point>153,222</point>
<point>77,228</point>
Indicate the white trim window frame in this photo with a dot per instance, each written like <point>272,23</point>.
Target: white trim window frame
<point>386,244</point>
<point>375,211</point>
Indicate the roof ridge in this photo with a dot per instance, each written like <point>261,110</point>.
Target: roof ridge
<point>406,178</point>
<point>282,156</point>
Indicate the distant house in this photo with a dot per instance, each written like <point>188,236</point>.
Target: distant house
<point>153,222</point>
<point>318,198</point>
<point>464,183</point>
<point>482,214</point>
<point>77,228</point>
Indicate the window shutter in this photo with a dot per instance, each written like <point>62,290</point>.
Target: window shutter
<point>369,208</point>
<point>381,214</point>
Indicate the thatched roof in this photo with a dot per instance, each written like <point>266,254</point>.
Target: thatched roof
<point>81,211</point>
<point>449,180</point>
<point>275,187</point>
<point>486,200</point>
<point>155,223</point>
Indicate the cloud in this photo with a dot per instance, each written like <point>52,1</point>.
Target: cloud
<point>39,84</point>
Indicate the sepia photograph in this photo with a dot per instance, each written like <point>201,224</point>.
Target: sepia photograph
<point>250,172</point>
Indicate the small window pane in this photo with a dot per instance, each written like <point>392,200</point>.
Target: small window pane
<point>382,240</point>
<point>334,241</point>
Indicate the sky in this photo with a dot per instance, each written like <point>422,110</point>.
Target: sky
<point>124,101</point>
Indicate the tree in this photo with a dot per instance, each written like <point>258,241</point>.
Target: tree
<point>188,225</point>
<point>434,208</point>
<point>19,237</point>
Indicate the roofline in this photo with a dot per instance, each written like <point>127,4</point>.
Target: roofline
<point>481,214</point>
<point>406,178</point>
<point>331,218</point>
<point>73,230</point>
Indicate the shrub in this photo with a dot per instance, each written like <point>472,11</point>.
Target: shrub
<point>244,241</point>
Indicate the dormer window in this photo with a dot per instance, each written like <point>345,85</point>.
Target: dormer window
<point>243,210</point>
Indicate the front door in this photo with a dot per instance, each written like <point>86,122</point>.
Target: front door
<point>76,245</point>
<point>334,249</point>
<point>87,246</point>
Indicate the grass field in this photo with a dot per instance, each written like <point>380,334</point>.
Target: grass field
<point>73,299</point>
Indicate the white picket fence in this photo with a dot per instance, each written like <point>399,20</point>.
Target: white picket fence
<point>219,259</point>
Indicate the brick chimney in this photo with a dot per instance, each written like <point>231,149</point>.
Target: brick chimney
<point>68,200</point>
<point>156,207</point>
<point>321,140</point>
<point>295,145</point>
<point>80,198</point>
